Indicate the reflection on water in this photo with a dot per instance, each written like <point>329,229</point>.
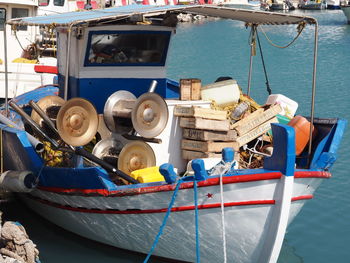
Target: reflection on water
<point>57,245</point>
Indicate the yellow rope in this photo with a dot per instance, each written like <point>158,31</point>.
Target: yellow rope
<point>300,29</point>
<point>253,106</point>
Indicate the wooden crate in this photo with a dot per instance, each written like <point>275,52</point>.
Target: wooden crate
<point>190,155</point>
<point>190,89</point>
<point>255,119</point>
<point>255,133</point>
<point>204,124</point>
<point>207,146</point>
<point>205,135</point>
<point>205,113</point>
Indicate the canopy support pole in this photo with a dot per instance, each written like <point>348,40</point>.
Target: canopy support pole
<point>252,53</point>
<point>313,91</point>
<point>6,72</point>
<point>66,77</point>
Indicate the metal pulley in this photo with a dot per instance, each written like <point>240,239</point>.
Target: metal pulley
<point>77,122</point>
<point>46,103</point>
<point>150,115</point>
<point>117,111</point>
<point>136,155</point>
<point>107,147</point>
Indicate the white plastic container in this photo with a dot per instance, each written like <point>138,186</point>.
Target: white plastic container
<point>289,107</point>
<point>223,92</point>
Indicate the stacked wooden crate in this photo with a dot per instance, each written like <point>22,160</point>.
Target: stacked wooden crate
<point>255,124</point>
<point>206,131</point>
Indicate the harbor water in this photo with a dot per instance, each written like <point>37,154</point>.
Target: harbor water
<point>210,49</point>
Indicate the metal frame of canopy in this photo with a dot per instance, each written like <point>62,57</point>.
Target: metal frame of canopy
<point>250,17</point>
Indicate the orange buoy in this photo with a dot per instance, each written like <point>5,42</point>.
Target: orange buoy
<point>302,132</point>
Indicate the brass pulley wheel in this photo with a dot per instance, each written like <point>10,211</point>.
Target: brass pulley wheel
<point>77,122</point>
<point>136,155</point>
<point>45,103</point>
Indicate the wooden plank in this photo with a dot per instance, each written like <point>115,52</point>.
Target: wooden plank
<point>204,124</point>
<point>205,113</point>
<point>196,85</point>
<point>255,133</point>
<point>206,146</point>
<point>249,117</point>
<point>185,89</point>
<point>190,155</point>
<point>248,125</point>
<point>203,135</point>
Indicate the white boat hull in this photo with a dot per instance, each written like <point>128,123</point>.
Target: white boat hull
<point>131,221</point>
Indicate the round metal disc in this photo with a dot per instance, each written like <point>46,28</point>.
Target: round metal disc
<point>115,124</point>
<point>107,147</point>
<point>136,155</point>
<point>44,104</point>
<point>77,122</point>
<point>150,115</point>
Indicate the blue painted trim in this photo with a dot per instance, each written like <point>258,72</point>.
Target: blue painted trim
<point>326,152</point>
<point>283,157</point>
<point>78,178</point>
<point>98,90</point>
<point>164,55</point>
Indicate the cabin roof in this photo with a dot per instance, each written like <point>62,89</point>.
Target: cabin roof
<point>117,13</point>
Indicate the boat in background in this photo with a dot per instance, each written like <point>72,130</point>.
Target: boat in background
<point>277,5</point>
<point>239,4</point>
<point>30,46</point>
<point>313,4</point>
<point>155,173</point>
<point>333,4</point>
<point>346,10</point>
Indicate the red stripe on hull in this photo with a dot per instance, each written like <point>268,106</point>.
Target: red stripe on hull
<point>302,197</point>
<point>186,185</point>
<point>312,174</point>
<point>163,210</point>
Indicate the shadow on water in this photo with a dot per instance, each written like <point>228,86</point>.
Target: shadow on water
<point>57,245</point>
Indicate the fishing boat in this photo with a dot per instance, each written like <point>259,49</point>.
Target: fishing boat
<point>346,11</point>
<point>154,182</point>
<point>313,5</point>
<point>30,46</point>
<point>239,4</point>
<point>333,4</point>
<point>277,5</point>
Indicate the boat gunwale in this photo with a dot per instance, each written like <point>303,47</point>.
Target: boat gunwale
<point>147,189</point>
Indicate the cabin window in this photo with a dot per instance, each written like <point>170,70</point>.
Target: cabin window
<point>44,2</point>
<point>127,48</point>
<point>2,18</point>
<point>58,2</point>
<point>20,12</point>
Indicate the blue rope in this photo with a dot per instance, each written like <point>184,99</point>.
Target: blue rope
<point>155,242</point>
<point>196,220</point>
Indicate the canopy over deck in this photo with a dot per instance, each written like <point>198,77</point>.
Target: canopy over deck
<point>117,13</point>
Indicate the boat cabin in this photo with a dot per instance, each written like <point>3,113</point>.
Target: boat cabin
<point>104,59</point>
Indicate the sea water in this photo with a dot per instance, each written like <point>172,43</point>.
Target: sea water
<point>208,50</point>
